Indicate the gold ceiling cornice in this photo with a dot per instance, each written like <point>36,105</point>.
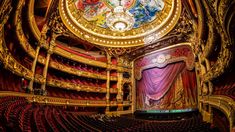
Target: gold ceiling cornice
<point>88,31</point>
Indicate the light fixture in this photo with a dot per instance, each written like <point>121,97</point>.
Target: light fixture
<point>120,19</point>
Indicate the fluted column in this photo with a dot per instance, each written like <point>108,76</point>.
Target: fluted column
<point>40,44</point>
<point>108,83</point>
<point>119,84</point>
<point>49,52</point>
<point>133,91</point>
<point>199,92</point>
<point>34,67</point>
<point>209,83</point>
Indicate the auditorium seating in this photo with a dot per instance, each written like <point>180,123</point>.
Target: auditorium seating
<point>17,114</point>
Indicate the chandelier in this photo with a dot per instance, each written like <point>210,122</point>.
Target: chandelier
<point>120,19</point>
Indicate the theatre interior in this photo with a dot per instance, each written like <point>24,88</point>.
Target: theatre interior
<point>117,65</point>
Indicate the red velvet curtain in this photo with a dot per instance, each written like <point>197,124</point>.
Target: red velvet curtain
<point>156,82</point>
<point>160,85</point>
<point>189,85</point>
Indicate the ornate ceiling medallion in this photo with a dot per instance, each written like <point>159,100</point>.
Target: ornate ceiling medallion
<point>126,26</point>
<point>120,20</point>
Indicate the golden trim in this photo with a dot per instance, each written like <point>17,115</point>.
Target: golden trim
<point>32,23</point>
<point>9,61</point>
<point>56,101</point>
<point>118,113</point>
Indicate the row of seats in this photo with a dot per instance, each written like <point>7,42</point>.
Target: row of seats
<point>105,123</point>
<point>17,114</point>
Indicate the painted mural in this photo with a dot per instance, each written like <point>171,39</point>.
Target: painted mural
<point>144,11</point>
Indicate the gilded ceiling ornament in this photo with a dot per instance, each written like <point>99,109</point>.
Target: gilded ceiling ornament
<point>120,19</point>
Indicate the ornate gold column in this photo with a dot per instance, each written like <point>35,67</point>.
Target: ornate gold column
<point>203,86</point>
<point>108,83</point>
<point>49,52</point>
<point>133,91</point>
<point>119,84</point>
<point>209,83</point>
<point>40,44</point>
<point>33,67</point>
<point>199,92</point>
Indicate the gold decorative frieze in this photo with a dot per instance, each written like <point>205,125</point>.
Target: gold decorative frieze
<point>10,63</point>
<point>19,31</point>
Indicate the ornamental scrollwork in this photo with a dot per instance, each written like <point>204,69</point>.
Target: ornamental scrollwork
<point>120,51</point>
<point>10,63</point>
<point>212,32</point>
<point>5,10</point>
<point>19,31</point>
<point>225,55</point>
<point>56,25</point>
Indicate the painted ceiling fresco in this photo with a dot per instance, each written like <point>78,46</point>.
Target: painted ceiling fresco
<point>144,11</point>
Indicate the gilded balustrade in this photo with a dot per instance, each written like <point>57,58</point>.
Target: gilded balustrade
<point>9,62</point>
<point>56,101</point>
<point>75,71</point>
<point>73,86</point>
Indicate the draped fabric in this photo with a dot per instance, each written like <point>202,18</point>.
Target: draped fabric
<point>170,87</point>
<point>189,86</point>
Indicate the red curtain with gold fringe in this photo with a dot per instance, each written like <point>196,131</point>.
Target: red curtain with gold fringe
<point>170,87</point>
